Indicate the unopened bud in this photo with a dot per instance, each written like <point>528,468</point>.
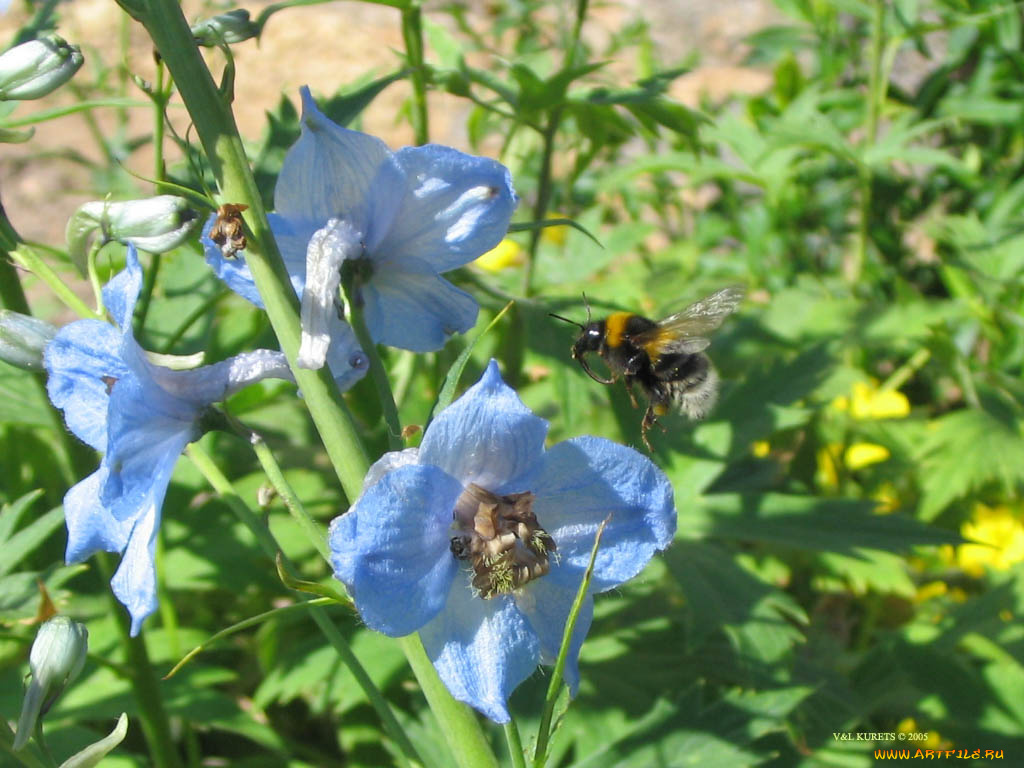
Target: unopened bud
<point>33,69</point>
<point>56,658</point>
<point>231,27</point>
<point>23,338</point>
<point>156,224</point>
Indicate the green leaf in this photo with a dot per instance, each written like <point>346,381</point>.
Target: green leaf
<point>91,755</point>
<point>451,379</point>
<point>807,522</point>
<point>10,514</point>
<point>28,538</point>
<point>963,452</point>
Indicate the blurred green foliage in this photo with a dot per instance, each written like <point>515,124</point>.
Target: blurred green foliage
<point>869,197</point>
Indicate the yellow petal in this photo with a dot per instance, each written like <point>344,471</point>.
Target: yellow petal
<point>869,402</point>
<point>761,448</point>
<point>860,455</point>
<point>505,254</point>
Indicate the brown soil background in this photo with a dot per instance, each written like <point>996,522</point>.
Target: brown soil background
<point>327,47</point>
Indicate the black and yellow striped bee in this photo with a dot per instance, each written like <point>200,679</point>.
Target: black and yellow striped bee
<point>666,359</point>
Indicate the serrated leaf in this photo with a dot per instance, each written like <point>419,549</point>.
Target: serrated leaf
<point>963,452</point>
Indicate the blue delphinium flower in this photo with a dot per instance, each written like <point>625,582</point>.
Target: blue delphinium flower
<point>396,220</point>
<point>141,416</point>
<point>479,540</point>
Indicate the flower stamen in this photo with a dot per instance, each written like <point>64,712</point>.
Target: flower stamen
<point>502,540</point>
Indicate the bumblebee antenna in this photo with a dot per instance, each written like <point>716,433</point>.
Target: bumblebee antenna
<point>566,319</point>
<point>587,305</point>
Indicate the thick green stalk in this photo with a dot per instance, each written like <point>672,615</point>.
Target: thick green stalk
<point>215,125</point>
<point>458,723</point>
<point>146,686</point>
<point>220,483</point>
<point>25,756</point>
<point>412,35</point>
<point>854,264</point>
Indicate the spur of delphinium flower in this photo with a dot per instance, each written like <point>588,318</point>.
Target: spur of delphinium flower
<point>140,416</point>
<point>392,221</point>
<point>479,540</point>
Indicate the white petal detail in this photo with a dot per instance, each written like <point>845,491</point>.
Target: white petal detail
<point>327,249</point>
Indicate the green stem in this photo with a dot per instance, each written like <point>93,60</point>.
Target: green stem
<point>25,756</point>
<point>220,483</point>
<point>412,35</point>
<point>41,743</point>
<point>544,188</point>
<point>156,726</point>
<point>218,133</point>
<point>291,500</point>
<point>197,314</point>
<point>854,264</point>
<point>94,276</point>
<point>377,372</point>
<point>460,726</point>
<point>515,745</point>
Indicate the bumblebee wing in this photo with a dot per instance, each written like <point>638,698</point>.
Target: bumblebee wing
<point>686,331</point>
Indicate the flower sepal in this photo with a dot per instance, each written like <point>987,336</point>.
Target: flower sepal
<point>34,69</point>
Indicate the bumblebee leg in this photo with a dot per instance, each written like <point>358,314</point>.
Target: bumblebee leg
<point>629,389</point>
<point>646,424</point>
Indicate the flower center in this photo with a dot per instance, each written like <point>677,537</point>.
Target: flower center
<point>501,539</point>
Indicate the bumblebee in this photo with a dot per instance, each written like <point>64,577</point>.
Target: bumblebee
<point>665,359</point>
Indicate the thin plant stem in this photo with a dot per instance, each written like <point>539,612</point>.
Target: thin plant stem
<point>149,281</point>
<point>28,259</point>
<point>41,743</point>
<point>291,500</point>
<point>544,188</point>
<point>220,483</point>
<point>412,35</point>
<point>94,277</point>
<point>540,754</point>
<point>515,745</point>
<point>218,133</point>
<point>458,723</point>
<point>25,756</point>
<point>156,726</point>
<point>197,314</point>
<point>377,372</point>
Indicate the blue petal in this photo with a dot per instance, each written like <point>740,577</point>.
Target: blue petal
<point>451,207</point>
<point>416,311</point>
<point>78,359</point>
<point>345,358</point>
<point>121,293</point>
<point>546,606</point>
<point>292,236</point>
<point>482,649</point>
<point>134,583</point>
<point>148,429</point>
<point>234,272</point>
<point>91,527</point>
<point>392,550</point>
<point>328,171</point>
<point>487,436</point>
<point>584,480</point>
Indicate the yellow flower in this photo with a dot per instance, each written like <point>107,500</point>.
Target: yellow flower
<point>828,471</point>
<point>934,741</point>
<point>867,402</point>
<point>505,254</point>
<point>930,590</point>
<point>760,448</point>
<point>887,497</point>
<point>555,235</point>
<point>997,536</point>
<point>860,455</point>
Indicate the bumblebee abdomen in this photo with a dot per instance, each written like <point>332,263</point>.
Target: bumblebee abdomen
<point>695,394</point>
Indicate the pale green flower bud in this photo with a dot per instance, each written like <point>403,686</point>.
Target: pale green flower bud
<point>56,658</point>
<point>22,339</point>
<point>156,224</point>
<point>33,69</point>
<point>231,27</point>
